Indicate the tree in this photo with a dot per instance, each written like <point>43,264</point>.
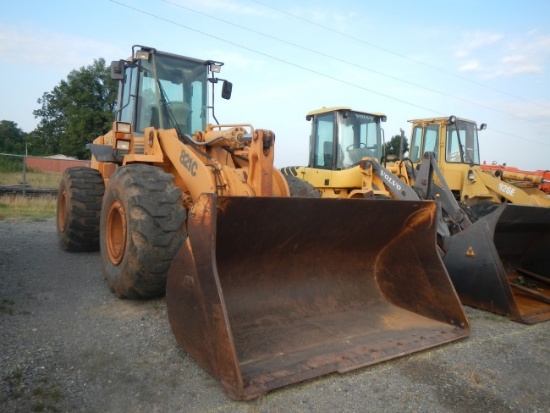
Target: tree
<point>392,147</point>
<point>76,111</point>
<point>12,138</point>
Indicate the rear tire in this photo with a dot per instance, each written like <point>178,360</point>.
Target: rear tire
<point>141,230</point>
<point>300,188</point>
<point>79,209</point>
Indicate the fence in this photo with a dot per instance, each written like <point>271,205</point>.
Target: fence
<point>53,164</point>
<point>11,165</point>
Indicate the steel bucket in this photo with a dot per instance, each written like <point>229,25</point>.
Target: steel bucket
<point>272,291</point>
<point>501,263</point>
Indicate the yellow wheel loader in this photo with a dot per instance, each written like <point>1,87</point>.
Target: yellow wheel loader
<point>499,261</point>
<point>454,141</point>
<point>266,283</point>
<point>343,143</point>
<point>516,217</point>
<point>497,257</point>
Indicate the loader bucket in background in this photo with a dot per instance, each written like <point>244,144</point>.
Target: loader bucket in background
<point>272,291</point>
<point>501,263</point>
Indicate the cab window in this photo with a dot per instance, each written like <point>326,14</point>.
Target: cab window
<point>324,156</point>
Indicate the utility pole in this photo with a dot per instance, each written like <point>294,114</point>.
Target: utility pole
<point>25,168</point>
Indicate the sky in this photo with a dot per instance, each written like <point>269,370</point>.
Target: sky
<point>488,61</point>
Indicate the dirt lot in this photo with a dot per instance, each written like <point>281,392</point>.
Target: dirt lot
<point>68,345</point>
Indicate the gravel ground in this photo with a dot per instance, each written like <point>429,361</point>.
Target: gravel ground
<point>68,345</point>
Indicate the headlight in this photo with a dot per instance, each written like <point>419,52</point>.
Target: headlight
<point>123,127</point>
<point>123,145</point>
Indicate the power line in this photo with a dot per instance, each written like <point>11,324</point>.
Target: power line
<point>275,58</point>
<point>400,55</point>
<point>353,64</point>
<point>297,65</point>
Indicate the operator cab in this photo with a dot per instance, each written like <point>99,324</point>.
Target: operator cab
<point>457,137</point>
<point>165,91</point>
<point>341,137</point>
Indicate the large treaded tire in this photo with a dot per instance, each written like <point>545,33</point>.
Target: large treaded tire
<point>79,208</point>
<point>300,188</point>
<point>142,222</point>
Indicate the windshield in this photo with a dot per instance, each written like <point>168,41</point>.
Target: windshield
<point>360,136</point>
<point>166,91</point>
<point>424,140</point>
<point>462,143</point>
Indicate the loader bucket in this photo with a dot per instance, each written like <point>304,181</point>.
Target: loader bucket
<point>501,263</point>
<point>272,291</point>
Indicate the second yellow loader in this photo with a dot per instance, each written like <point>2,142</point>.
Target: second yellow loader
<point>494,237</point>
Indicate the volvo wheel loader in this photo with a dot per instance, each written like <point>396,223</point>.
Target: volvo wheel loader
<point>497,261</point>
<point>343,145</point>
<point>263,289</point>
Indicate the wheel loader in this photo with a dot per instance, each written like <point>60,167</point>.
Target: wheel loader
<point>454,141</point>
<point>265,286</point>
<point>515,216</point>
<point>497,260</point>
<point>341,138</point>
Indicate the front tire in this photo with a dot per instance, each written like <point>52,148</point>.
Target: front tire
<point>79,208</point>
<point>141,230</point>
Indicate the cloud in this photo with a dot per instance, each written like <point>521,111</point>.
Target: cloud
<point>477,40</point>
<point>513,59</point>
<point>543,43</point>
<point>51,51</point>
<point>471,66</point>
<point>514,70</point>
<point>494,55</point>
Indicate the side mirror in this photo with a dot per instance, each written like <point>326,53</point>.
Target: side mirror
<point>227,87</point>
<point>117,70</point>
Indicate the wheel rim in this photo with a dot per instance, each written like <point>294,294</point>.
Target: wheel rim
<point>62,211</point>
<point>116,232</point>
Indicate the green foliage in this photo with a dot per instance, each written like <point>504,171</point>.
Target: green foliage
<point>11,164</point>
<point>76,111</point>
<point>12,138</point>
<point>392,147</point>
<point>39,145</point>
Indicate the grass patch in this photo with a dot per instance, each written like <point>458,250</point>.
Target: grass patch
<point>42,396</point>
<point>11,163</point>
<point>34,179</point>
<point>20,208</point>
<point>45,398</point>
<point>14,384</point>
<point>6,306</point>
